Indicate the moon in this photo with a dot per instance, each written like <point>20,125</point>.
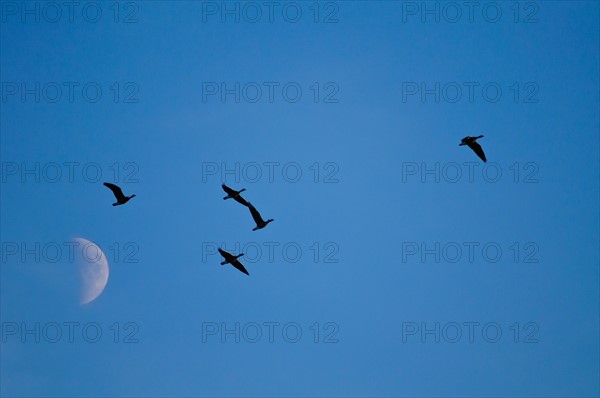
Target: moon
<point>93,270</point>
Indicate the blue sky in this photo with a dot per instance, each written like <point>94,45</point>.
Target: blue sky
<point>382,230</point>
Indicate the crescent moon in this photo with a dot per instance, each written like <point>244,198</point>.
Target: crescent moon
<point>93,270</point>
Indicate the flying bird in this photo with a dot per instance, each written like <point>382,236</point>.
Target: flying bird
<point>471,142</point>
<point>232,193</point>
<point>233,260</point>
<point>121,199</point>
<point>260,223</point>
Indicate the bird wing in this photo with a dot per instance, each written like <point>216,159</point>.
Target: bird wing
<point>478,150</point>
<point>228,190</point>
<point>240,267</point>
<point>115,190</point>
<point>255,214</point>
<point>225,254</point>
<point>241,200</point>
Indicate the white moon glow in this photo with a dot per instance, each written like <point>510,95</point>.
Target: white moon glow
<point>93,270</point>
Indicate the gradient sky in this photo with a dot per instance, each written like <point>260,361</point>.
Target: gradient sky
<point>386,211</point>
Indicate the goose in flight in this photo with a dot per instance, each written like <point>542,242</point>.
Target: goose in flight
<point>233,260</point>
<point>232,193</point>
<point>260,223</point>
<point>471,142</point>
<point>121,199</point>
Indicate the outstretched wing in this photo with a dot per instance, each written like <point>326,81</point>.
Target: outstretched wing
<point>241,200</point>
<point>115,190</point>
<point>228,190</point>
<point>255,214</point>
<point>478,150</point>
<point>226,255</point>
<point>240,267</point>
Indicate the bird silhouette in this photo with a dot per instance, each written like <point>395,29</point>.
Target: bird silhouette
<point>233,260</point>
<point>471,142</point>
<point>260,223</point>
<point>235,195</point>
<point>121,199</point>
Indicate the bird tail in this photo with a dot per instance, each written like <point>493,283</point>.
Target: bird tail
<point>223,262</point>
